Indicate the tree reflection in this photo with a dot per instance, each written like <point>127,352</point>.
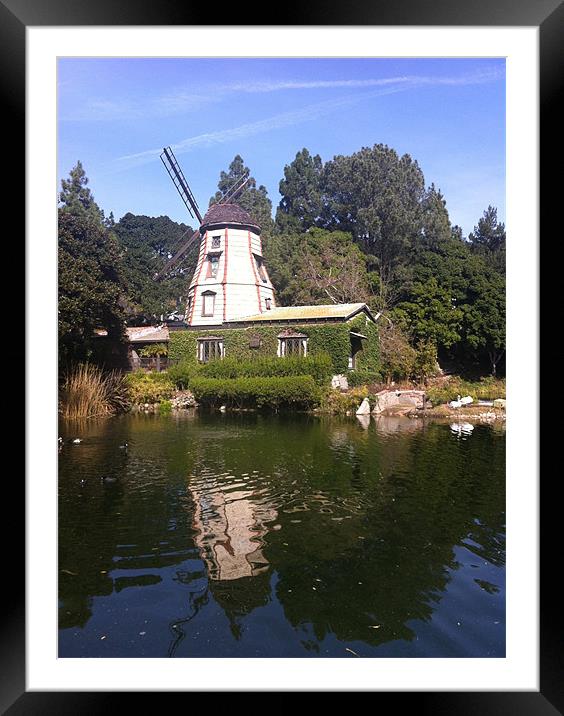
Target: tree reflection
<point>359,523</point>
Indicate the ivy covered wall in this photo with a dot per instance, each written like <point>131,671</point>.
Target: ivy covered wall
<point>331,338</point>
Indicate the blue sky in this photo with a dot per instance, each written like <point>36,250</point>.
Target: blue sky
<point>115,115</point>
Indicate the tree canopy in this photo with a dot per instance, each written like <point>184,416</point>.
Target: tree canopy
<point>92,291</point>
<point>362,227</point>
<point>253,199</point>
<point>147,243</point>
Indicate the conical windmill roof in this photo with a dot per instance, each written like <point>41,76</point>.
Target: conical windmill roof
<point>228,214</point>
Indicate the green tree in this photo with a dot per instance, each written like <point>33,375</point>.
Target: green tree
<point>377,196</point>
<point>318,266</point>
<point>253,199</point>
<point>301,203</point>
<point>488,239</point>
<point>437,229</point>
<point>148,242</point>
<point>91,286</point>
<point>75,196</point>
<point>431,314</point>
<point>484,319</point>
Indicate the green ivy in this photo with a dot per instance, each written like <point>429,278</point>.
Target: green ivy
<point>332,339</point>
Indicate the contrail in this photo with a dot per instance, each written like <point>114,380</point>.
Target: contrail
<point>389,85</point>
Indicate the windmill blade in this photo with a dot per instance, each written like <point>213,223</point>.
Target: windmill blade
<point>179,181</point>
<point>235,190</point>
<point>171,263</point>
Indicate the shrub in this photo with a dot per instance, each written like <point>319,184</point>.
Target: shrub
<point>358,377</point>
<point>337,403</point>
<point>151,387</point>
<point>182,373</point>
<point>319,367</point>
<point>154,349</point>
<point>397,355</point>
<point>89,392</point>
<point>257,392</point>
<point>165,407</point>
<point>486,389</point>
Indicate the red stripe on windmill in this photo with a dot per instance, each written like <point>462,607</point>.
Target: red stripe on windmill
<point>221,290</point>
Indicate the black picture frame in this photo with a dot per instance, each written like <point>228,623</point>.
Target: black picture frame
<point>548,16</point>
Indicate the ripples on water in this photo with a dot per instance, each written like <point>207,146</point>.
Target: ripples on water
<point>246,535</point>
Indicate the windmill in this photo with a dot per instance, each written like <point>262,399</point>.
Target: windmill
<point>182,187</point>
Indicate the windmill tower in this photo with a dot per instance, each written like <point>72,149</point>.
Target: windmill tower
<point>230,280</point>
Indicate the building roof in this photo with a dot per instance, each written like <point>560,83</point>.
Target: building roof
<point>228,214</point>
<point>147,334</point>
<point>305,313</point>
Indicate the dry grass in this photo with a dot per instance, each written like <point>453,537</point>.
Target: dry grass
<point>88,392</point>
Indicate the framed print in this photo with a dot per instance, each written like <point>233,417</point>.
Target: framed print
<point>42,48</point>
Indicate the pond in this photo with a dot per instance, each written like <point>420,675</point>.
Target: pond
<point>248,535</point>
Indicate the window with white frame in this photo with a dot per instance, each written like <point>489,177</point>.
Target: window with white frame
<point>208,303</point>
<point>210,349</point>
<point>292,345</point>
<point>213,265</point>
<point>216,242</point>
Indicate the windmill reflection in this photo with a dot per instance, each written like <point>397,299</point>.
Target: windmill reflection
<point>229,525</point>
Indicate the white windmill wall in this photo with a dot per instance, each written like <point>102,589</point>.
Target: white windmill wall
<point>239,289</point>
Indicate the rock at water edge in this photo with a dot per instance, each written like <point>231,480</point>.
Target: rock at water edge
<point>364,408</point>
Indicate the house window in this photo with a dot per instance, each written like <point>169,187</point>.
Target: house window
<point>292,345</point>
<point>208,303</point>
<point>260,268</point>
<point>216,242</point>
<point>209,349</point>
<point>267,303</point>
<point>213,264</point>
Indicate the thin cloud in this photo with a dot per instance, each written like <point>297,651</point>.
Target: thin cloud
<point>389,85</point>
<point>411,80</point>
<point>182,100</point>
<point>278,121</point>
<point>163,106</point>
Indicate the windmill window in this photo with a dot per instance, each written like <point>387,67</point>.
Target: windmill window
<point>216,242</point>
<point>210,349</point>
<point>295,345</point>
<point>267,303</point>
<point>213,265</point>
<point>260,268</point>
<point>208,303</point>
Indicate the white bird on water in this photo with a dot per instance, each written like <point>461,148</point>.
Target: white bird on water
<point>77,440</point>
<point>456,403</point>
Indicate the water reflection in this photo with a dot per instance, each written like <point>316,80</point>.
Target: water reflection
<point>254,536</point>
<point>229,526</point>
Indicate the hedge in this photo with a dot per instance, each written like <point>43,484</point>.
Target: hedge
<point>279,392</point>
<point>319,367</point>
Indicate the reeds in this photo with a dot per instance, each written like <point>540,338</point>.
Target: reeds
<point>88,392</point>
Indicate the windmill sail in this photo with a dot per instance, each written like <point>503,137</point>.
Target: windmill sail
<point>179,180</point>
<point>172,262</point>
